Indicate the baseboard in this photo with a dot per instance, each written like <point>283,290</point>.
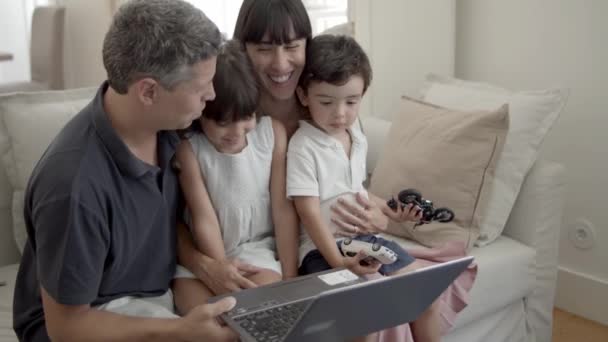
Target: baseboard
<point>582,295</point>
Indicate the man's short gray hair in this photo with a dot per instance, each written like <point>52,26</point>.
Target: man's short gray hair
<point>160,39</point>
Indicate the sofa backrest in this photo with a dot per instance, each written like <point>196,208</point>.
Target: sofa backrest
<point>28,123</point>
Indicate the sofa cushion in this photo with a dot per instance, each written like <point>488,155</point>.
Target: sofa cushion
<point>531,113</point>
<point>28,123</point>
<point>8,274</point>
<point>506,273</point>
<point>447,155</point>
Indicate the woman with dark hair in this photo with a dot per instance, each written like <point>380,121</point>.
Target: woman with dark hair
<point>275,34</point>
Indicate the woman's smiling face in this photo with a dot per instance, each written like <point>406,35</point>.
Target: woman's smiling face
<point>278,66</point>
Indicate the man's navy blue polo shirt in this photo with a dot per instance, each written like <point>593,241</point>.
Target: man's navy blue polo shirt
<point>100,222</point>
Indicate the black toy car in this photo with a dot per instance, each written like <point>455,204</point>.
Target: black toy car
<point>429,213</point>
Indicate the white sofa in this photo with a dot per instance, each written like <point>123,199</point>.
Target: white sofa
<point>512,298</point>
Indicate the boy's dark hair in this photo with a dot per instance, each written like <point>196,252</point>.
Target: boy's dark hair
<point>275,17</point>
<point>335,59</point>
<point>236,88</point>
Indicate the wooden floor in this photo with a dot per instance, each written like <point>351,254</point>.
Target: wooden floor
<point>570,328</point>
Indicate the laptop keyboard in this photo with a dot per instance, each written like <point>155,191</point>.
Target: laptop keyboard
<point>273,324</point>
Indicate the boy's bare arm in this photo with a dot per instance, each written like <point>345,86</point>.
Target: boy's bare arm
<point>284,215</point>
<point>309,211</point>
<point>205,226</point>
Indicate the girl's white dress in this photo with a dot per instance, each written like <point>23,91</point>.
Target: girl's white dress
<point>239,188</point>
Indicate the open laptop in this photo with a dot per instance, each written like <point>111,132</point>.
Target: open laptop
<point>337,304</point>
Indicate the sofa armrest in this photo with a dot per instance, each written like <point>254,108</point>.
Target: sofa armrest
<point>536,222</point>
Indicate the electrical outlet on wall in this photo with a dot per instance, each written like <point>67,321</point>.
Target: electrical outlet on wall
<point>581,234</point>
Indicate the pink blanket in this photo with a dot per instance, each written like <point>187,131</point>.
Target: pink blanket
<point>453,300</point>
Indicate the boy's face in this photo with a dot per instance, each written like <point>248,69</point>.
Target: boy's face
<point>228,137</point>
<point>333,108</point>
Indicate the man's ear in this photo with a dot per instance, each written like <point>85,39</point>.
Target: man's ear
<point>147,90</point>
<point>302,96</point>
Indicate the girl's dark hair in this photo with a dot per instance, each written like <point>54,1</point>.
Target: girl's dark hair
<point>235,84</point>
<point>275,17</point>
<point>335,59</point>
<point>236,88</point>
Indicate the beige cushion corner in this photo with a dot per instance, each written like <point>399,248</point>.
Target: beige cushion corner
<point>450,156</point>
<point>28,123</point>
<point>532,114</point>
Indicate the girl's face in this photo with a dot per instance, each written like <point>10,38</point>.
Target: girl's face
<point>278,66</point>
<point>228,137</point>
<point>333,108</point>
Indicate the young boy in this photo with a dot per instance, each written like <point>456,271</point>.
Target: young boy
<point>326,159</point>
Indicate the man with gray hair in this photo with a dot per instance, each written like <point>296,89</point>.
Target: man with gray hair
<point>101,204</point>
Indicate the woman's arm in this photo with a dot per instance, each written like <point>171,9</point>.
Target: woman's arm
<point>284,215</point>
<point>369,216</point>
<point>205,226</point>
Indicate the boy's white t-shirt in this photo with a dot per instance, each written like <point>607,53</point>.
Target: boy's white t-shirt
<point>317,165</point>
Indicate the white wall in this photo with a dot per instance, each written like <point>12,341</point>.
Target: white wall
<point>405,40</point>
<point>534,44</point>
<point>13,39</point>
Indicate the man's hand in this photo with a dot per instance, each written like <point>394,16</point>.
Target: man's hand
<point>201,323</point>
<point>225,276</point>
<point>358,266</point>
<point>365,217</point>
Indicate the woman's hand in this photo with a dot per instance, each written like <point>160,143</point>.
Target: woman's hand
<point>410,212</point>
<point>364,217</point>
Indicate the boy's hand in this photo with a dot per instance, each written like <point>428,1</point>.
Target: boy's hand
<point>360,265</point>
<point>410,212</point>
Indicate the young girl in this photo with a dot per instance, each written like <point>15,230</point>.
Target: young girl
<point>233,179</point>
<point>326,160</point>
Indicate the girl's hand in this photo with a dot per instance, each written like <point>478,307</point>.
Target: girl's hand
<point>410,212</point>
<point>355,264</point>
<point>365,217</point>
<point>228,275</point>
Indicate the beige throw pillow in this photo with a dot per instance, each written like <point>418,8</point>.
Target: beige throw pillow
<point>450,157</point>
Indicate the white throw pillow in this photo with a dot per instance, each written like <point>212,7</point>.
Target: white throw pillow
<point>532,114</point>
<point>28,124</point>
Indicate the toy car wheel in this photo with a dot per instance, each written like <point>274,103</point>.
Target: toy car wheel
<point>347,241</point>
<point>409,196</point>
<point>443,215</point>
<point>376,247</point>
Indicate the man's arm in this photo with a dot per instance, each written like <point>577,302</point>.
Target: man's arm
<point>284,215</point>
<point>83,323</point>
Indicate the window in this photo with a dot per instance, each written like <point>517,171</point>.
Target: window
<point>323,13</point>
